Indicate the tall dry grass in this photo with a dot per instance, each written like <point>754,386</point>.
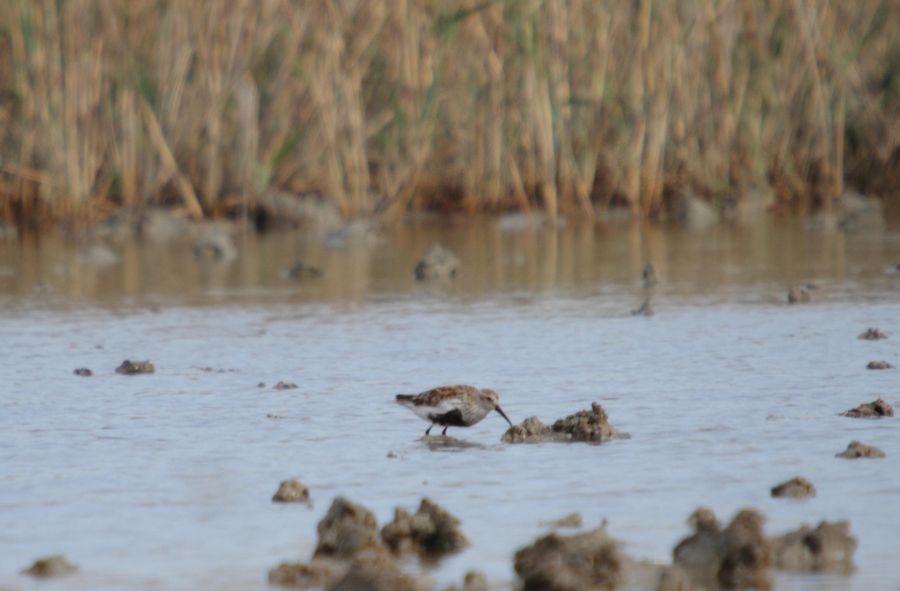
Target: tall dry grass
<point>382,105</point>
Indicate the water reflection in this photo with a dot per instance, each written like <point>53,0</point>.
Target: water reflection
<point>721,262</point>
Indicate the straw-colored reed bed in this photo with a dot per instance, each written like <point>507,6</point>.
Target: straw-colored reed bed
<point>383,105</point>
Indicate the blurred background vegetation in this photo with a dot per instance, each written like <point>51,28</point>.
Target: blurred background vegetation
<point>380,106</point>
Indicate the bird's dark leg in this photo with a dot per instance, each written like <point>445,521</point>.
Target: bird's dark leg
<point>428,430</point>
<point>444,432</point>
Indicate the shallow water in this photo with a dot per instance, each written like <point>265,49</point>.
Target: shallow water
<point>164,481</point>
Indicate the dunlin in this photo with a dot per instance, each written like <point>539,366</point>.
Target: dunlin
<point>453,406</point>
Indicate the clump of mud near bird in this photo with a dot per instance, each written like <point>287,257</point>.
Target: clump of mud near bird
<point>589,426</point>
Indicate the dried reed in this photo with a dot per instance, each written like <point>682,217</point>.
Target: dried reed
<point>382,105</point>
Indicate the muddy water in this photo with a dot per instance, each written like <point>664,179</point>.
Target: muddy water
<point>164,481</point>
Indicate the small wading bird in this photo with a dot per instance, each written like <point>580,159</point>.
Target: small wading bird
<point>453,406</point>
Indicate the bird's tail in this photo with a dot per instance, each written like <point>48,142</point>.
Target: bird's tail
<point>404,398</point>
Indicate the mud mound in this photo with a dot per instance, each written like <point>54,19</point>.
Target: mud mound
<point>570,520</point>
<point>736,557</point>
<point>590,560</point>
<point>473,581</point>
<point>130,368</point>
<point>875,409</point>
<point>437,263</point>
<point>872,334</point>
<point>51,566</point>
<point>860,450</point>
<point>291,491</point>
<point>827,548</point>
<point>431,532</point>
<point>531,430</point>
<point>585,425</point>
<point>795,487</point>
<point>302,272</point>
<point>879,365</point>
<point>304,576</point>
<point>377,571</point>
<point>798,295</point>
<point>346,530</point>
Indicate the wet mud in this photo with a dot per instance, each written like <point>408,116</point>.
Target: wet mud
<point>735,557</point>
<point>351,555</point>
<point>346,530</point>
<point>795,487</point>
<point>437,263</point>
<point>879,365</point>
<point>304,272</point>
<point>857,450</point>
<point>827,548</point>
<point>50,567</point>
<point>431,532</point>
<point>378,571</point>
<point>589,560</point>
<point>131,368</point>
<point>572,520</point>
<point>871,410</point>
<point>291,491</point>
<point>472,581</point>
<point>316,574</point>
<point>798,295</point>
<point>591,426</point>
<point>872,334</point>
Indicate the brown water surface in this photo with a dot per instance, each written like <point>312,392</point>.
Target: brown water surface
<point>164,481</point>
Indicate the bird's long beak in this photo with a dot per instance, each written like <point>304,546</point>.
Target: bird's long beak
<point>503,414</point>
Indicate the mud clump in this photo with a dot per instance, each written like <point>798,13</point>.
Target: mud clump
<point>437,263</point>
<point>860,450</point>
<point>214,244</point>
<point>879,365</point>
<point>377,571</point>
<point>51,566</point>
<point>585,425</point>
<point>528,431</point>
<point>304,576</point>
<point>303,272</point>
<point>473,581</point>
<point>570,520</point>
<point>592,425</point>
<point>431,532</point>
<point>828,548</point>
<point>83,372</point>
<point>285,386</point>
<point>736,557</point>
<point>795,487</point>
<point>131,368</point>
<point>875,409</point>
<point>798,295</point>
<point>291,491</point>
<point>589,560</point>
<point>346,530</point>
<point>872,334</point>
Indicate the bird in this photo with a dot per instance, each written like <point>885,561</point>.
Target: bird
<point>648,276</point>
<point>453,406</point>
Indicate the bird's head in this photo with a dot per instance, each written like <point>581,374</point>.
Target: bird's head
<point>492,400</point>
